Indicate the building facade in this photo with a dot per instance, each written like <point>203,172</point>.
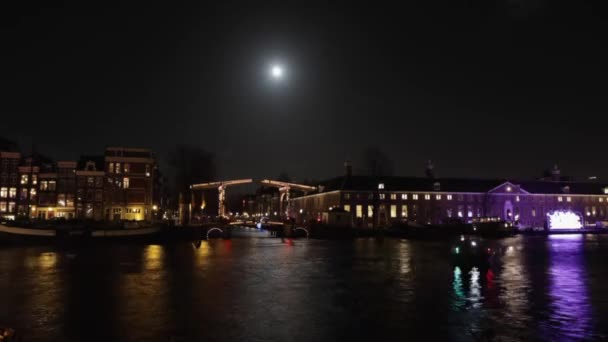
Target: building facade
<point>129,183</point>
<point>122,184</point>
<point>381,201</point>
<point>90,176</point>
<point>9,183</point>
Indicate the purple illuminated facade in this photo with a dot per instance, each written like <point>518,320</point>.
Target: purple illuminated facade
<point>379,201</point>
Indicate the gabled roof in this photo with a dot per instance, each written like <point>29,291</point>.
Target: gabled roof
<point>97,160</point>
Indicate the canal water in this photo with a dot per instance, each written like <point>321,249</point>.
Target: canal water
<point>255,288</point>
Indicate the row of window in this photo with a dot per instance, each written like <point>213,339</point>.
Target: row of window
<point>8,192</point>
<point>460,212</point>
<point>25,178</point>
<point>116,168</point>
<point>126,168</point>
<point>415,197</point>
<point>7,207</point>
<point>438,197</point>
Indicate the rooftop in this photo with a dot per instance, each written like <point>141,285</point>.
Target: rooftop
<point>369,183</point>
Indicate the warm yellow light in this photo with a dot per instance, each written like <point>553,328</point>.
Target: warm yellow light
<point>155,207</point>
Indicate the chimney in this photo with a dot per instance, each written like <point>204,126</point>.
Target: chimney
<point>555,174</point>
<point>348,168</point>
<point>429,172</point>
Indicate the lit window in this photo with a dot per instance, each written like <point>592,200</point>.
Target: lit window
<point>359,211</point>
<point>449,212</point>
<point>3,192</point>
<point>516,198</point>
<point>393,196</point>
<point>111,168</point>
<point>44,185</point>
<point>347,207</point>
<point>147,170</point>
<point>24,179</point>
<point>415,196</point>
<point>382,196</point>
<point>117,169</point>
<point>403,196</point>
<point>11,207</point>
<point>3,207</point>
<point>52,185</point>
<point>61,200</point>
<point>438,197</point>
<point>404,210</point>
<point>69,200</point>
<point>459,213</point>
<point>90,181</point>
<point>393,211</point>
<point>370,211</point>
<point>601,199</point>
<point>533,212</point>
<point>427,197</point>
<point>125,182</point>
<point>34,179</point>
<point>593,211</point>
<point>127,167</point>
<point>380,186</point>
<point>449,197</point>
<point>560,199</point>
<point>568,199</point>
<point>33,193</point>
<point>12,192</point>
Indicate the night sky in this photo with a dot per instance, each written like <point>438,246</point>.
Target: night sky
<point>488,89</point>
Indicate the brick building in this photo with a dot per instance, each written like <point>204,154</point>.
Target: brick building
<point>9,179</point>
<point>379,201</point>
<point>90,176</point>
<point>130,183</point>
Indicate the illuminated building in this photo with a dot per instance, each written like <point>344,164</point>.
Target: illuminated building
<point>89,187</point>
<point>9,179</point>
<point>379,201</point>
<point>129,183</point>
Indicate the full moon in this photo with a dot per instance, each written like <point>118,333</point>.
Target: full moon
<point>276,71</point>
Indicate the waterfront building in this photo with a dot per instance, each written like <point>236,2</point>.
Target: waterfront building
<point>129,183</point>
<point>9,179</point>
<point>381,201</point>
<point>90,176</point>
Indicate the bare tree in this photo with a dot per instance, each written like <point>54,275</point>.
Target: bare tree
<point>190,165</point>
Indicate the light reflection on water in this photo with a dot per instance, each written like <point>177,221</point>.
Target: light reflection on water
<point>570,309</point>
<point>256,288</point>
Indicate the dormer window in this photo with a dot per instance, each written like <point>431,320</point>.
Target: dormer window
<point>436,186</point>
<point>380,186</point>
<point>605,190</point>
<point>566,189</point>
<point>509,188</point>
